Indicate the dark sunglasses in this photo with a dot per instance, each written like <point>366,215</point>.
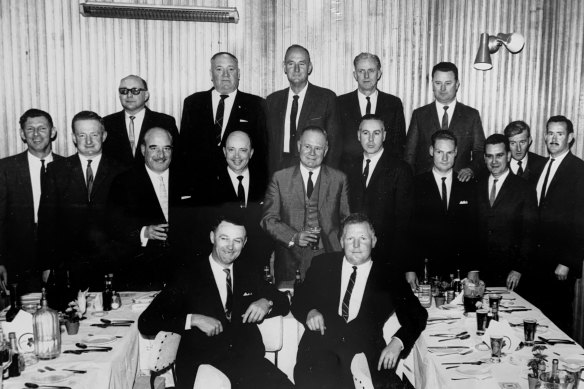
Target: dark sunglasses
<point>134,91</point>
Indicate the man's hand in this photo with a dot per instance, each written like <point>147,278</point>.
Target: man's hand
<point>209,325</point>
<point>3,274</point>
<point>156,231</point>
<point>389,355</point>
<point>513,279</point>
<point>465,174</point>
<point>315,321</point>
<point>256,311</point>
<point>304,238</point>
<point>562,272</point>
<point>412,279</point>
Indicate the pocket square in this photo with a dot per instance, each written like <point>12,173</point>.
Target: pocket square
<point>247,294</point>
<point>463,202</point>
<point>185,197</point>
<point>243,121</point>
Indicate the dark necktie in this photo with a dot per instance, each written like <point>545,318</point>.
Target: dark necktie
<point>43,173</point>
<point>545,181</point>
<point>493,194</point>
<point>445,119</point>
<point>366,172</point>
<point>219,119</point>
<point>229,299</point>
<point>309,185</point>
<point>240,192</point>
<point>347,298</point>
<point>89,177</point>
<point>131,135</point>
<point>368,108</point>
<point>293,114</point>
<point>444,194</point>
<point>520,169</point>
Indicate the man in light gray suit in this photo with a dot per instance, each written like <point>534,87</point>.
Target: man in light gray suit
<point>300,198</point>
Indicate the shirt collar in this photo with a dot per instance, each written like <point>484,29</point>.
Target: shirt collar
<point>451,106</point>
<point>560,158</point>
<point>234,175</point>
<point>437,173</point>
<point>300,94</point>
<point>95,159</point>
<point>367,264</point>
<point>218,268</point>
<point>372,96</point>
<point>375,157</point>
<point>304,170</point>
<point>218,95</point>
<point>33,158</point>
<point>138,115</point>
<point>154,175</point>
<point>501,178</point>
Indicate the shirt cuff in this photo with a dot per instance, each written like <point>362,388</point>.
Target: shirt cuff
<point>188,322</point>
<point>143,238</point>
<point>398,339</point>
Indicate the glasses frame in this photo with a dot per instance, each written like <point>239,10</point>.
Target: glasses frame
<point>134,91</point>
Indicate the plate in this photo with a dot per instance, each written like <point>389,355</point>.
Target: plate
<point>99,339</point>
<point>26,342</point>
<point>573,359</point>
<point>50,377</point>
<point>473,370</point>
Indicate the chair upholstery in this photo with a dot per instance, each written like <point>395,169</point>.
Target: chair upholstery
<point>361,374</point>
<point>209,377</point>
<point>163,355</point>
<point>272,331</point>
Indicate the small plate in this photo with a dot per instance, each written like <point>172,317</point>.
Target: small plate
<point>50,377</point>
<point>473,370</point>
<point>573,359</point>
<point>99,339</point>
<point>99,313</point>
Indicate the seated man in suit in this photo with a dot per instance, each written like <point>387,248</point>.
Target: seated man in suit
<point>214,304</point>
<point>444,214</point>
<point>446,114</point>
<point>126,128</point>
<point>507,216</point>
<point>138,207</point>
<point>344,303</point>
<point>381,186</point>
<point>301,105</point>
<point>524,163</point>
<point>21,179</point>
<point>367,99</point>
<point>299,199</point>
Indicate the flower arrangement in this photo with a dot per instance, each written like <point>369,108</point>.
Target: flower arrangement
<point>537,364</point>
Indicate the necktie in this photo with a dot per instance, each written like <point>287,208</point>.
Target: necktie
<point>43,172</point>
<point>444,194</point>
<point>366,172</point>
<point>347,298</point>
<point>493,194</point>
<point>545,181</point>
<point>368,108</point>
<point>309,185</point>
<point>219,119</point>
<point>445,119</point>
<point>131,136</point>
<point>229,299</point>
<point>520,168</point>
<point>293,114</point>
<point>240,192</point>
<point>89,178</point>
<point>163,197</point>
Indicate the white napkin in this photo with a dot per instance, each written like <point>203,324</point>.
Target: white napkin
<point>502,328</point>
<point>21,324</point>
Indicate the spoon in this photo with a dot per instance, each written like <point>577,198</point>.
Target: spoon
<point>107,321</point>
<point>84,346</point>
<point>34,386</point>
<point>457,337</point>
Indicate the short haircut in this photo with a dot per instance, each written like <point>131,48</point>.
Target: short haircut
<point>364,56</point>
<point>227,54</point>
<point>232,219</point>
<point>444,135</point>
<point>561,119</point>
<point>295,46</point>
<point>143,140</point>
<point>355,218</point>
<point>139,78</point>
<point>372,116</point>
<point>515,128</point>
<point>35,113</point>
<point>445,67</point>
<point>314,128</point>
<point>496,139</point>
<point>86,115</point>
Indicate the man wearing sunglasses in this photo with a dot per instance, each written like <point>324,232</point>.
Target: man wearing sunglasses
<point>126,128</point>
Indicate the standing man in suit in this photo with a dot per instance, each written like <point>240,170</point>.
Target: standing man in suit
<point>72,214</point>
<point>524,163</point>
<point>300,198</point>
<point>21,178</point>
<point>126,128</point>
<point>367,99</point>
<point>344,303</point>
<point>444,214</point>
<point>560,192</point>
<point>301,105</point>
<point>215,304</point>
<point>507,211</point>
<point>446,114</point>
<point>138,206</point>
<point>209,117</point>
<point>382,188</point>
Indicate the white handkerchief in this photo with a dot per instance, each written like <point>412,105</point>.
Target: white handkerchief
<point>502,328</point>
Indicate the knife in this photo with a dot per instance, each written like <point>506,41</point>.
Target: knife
<point>441,347</point>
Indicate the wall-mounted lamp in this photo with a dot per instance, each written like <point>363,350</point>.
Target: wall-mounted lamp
<point>490,44</point>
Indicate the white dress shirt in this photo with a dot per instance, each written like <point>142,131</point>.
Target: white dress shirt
<point>227,106</point>
<point>138,120</point>
<point>95,160</point>
<point>363,271</point>
<point>363,101</point>
<point>244,181</point>
<point>374,159</point>
<point>155,180</point>
<point>438,178</point>
<point>304,172</point>
<point>500,182</point>
<point>557,161</point>
<point>301,96</point>
<point>34,168</point>
<point>440,111</point>
<point>514,166</point>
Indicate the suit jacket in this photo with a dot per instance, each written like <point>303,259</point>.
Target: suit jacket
<point>506,229</point>
<point>449,236</point>
<point>117,143</point>
<point>284,213</point>
<point>318,109</point>
<point>535,164</point>
<point>387,200</point>
<point>389,108</point>
<point>466,126</point>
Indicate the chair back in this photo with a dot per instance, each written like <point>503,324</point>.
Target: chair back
<point>272,331</point>
<point>211,377</point>
<point>361,374</point>
<point>164,350</point>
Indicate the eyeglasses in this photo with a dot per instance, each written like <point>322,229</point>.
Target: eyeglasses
<point>134,91</point>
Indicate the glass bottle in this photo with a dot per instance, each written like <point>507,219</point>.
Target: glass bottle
<point>108,293</point>
<point>297,279</point>
<point>555,378</point>
<point>17,364</point>
<point>47,331</point>
<point>426,279</point>
<point>5,359</point>
<point>267,276</point>
<point>14,303</point>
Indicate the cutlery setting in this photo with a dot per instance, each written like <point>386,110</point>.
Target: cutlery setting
<point>457,337</point>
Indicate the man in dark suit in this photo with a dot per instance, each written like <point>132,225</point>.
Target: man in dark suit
<point>444,214</point>
<point>21,179</point>
<point>303,208</point>
<point>381,186</point>
<point>367,99</point>
<point>209,117</point>
<point>139,203</point>
<point>344,311</point>
<point>560,192</point>
<point>524,163</point>
<point>72,218</point>
<point>507,211</point>
<point>446,114</point>
<point>299,106</point>
<point>214,304</point>
<point>126,128</point>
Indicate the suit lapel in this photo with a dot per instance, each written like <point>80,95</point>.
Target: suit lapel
<point>306,107</point>
<point>563,169</point>
<point>146,125</point>
<point>24,181</point>
<point>503,190</point>
<point>78,175</point>
<point>102,172</point>
<point>217,304</point>
<point>432,116</point>
<point>323,186</point>
<point>149,192</point>
<point>355,109</point>
<point>297,184</point>
<point>233,121</point>
<point>380,168</point>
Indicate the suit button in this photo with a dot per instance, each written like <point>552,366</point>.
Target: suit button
<point>343,340</point>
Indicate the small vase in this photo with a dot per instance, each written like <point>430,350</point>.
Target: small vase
<point>72,327</point>
<point>533,382</point>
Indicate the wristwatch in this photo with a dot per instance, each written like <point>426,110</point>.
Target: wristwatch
<point>291,243</point>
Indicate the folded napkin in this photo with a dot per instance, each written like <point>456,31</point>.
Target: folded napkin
<point>145,298</point>
<point>502,328</point>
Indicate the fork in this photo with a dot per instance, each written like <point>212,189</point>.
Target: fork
<point>456,352</point>
<point>472,378</point>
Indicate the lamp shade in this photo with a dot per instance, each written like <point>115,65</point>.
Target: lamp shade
<point>514,42</point>
<point>483,58</point>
